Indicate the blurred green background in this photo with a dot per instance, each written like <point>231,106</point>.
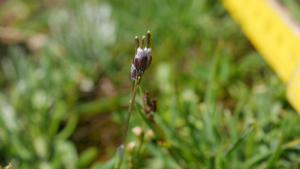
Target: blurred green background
<point>65,86</point>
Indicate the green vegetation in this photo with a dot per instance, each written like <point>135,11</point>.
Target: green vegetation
<point>65,87</point>
<point>293,7</point>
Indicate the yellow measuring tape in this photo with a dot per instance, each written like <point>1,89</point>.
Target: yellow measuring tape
<point>276,37</point>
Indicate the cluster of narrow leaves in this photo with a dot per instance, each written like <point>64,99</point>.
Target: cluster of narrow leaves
<point>41,85</point>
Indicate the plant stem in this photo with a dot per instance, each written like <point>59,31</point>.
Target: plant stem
<point>130,109</point>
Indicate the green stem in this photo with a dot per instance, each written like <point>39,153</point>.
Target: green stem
<point>130,110</point>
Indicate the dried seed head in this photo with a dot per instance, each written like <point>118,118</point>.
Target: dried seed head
<point>142,58</point>
<point>150,106</point>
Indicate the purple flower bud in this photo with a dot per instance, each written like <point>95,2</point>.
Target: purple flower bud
<point>142,58</point>
<point>133,73</point>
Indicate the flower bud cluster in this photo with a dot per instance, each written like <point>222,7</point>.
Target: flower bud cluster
<point>142,58</point>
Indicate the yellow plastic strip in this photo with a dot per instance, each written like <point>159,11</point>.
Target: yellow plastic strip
<point>276,37</point>
<point>293,91</point>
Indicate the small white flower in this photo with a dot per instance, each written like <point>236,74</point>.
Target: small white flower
<point>137,131</point>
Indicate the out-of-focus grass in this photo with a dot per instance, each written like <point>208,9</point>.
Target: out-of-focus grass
<point>219,104</point>
<point>293,7</point>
